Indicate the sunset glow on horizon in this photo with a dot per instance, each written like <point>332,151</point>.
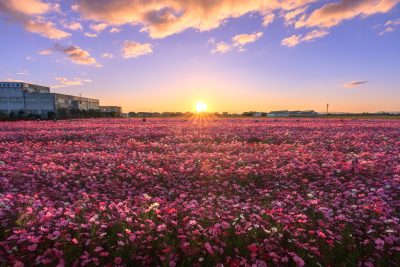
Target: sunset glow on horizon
<point>237,55</point>
<point>201,107</point>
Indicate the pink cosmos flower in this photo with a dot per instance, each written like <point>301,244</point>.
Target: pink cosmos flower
<point>299,261</point>
<point>379,243</point>
<point>118,260</point>
<point>209,248</point>
<point>321,234</point>
<point>161,227</point>
<point>32,247</point>
<point>98,249</point>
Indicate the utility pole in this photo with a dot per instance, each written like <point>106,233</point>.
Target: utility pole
<point>327,109</point>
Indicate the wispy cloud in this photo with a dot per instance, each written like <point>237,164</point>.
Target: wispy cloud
<point>390,26</point>
<point>65,82</point>
<point>99,27</point>
<point>22,73</point>
<point>354,84</point>
<point>77,55</point>
<point>107,55</point>
<point>45,52</point>
<point>309,37</point>
<point>132,49</point>
<point>73,26</point>
<point>291,16</point>
<point>46,29</point>
<point>291,41</point>
<point>222,48</point>
<point>211,41</point>
<point>333,14</point>
<point>268,19</point>
<point>114,30</point>
<point>239,42</point>
<point>90,35</point>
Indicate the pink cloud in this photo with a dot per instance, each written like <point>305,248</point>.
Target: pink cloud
<point>354,84</point>
<point>333,14</point>
<point>132,49</point>
<point>309,37</point>
<point>30,13</point>
<point>164,18</point>
<point>77,55</point>
<point>238,41</point>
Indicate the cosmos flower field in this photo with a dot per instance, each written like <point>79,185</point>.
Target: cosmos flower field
<point>176,192</point>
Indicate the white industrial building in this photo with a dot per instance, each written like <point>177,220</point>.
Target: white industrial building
<point>38,100</point>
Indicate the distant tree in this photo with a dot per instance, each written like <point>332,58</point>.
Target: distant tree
<point>3,116</point>
<point>249,113</point>
<point>21,114</point>
<point>12,116</point>
<point>51,115</point>
<point>31,116</point>
<point>92,113</point>
<point>62,113</point>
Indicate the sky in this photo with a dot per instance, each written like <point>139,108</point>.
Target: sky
<point>234,55</point>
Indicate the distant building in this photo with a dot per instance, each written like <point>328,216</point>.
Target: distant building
<point>306,113</point>
<point>110,109</point>
<point>142,113</point>
<point>225,113</point>
<point>70,102</point>
<point>278,114</point>
<point>287,113</point>
<point>171,114</point>
<point>38,100</point>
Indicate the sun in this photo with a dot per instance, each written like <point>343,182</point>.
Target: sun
<point>201,107</point>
